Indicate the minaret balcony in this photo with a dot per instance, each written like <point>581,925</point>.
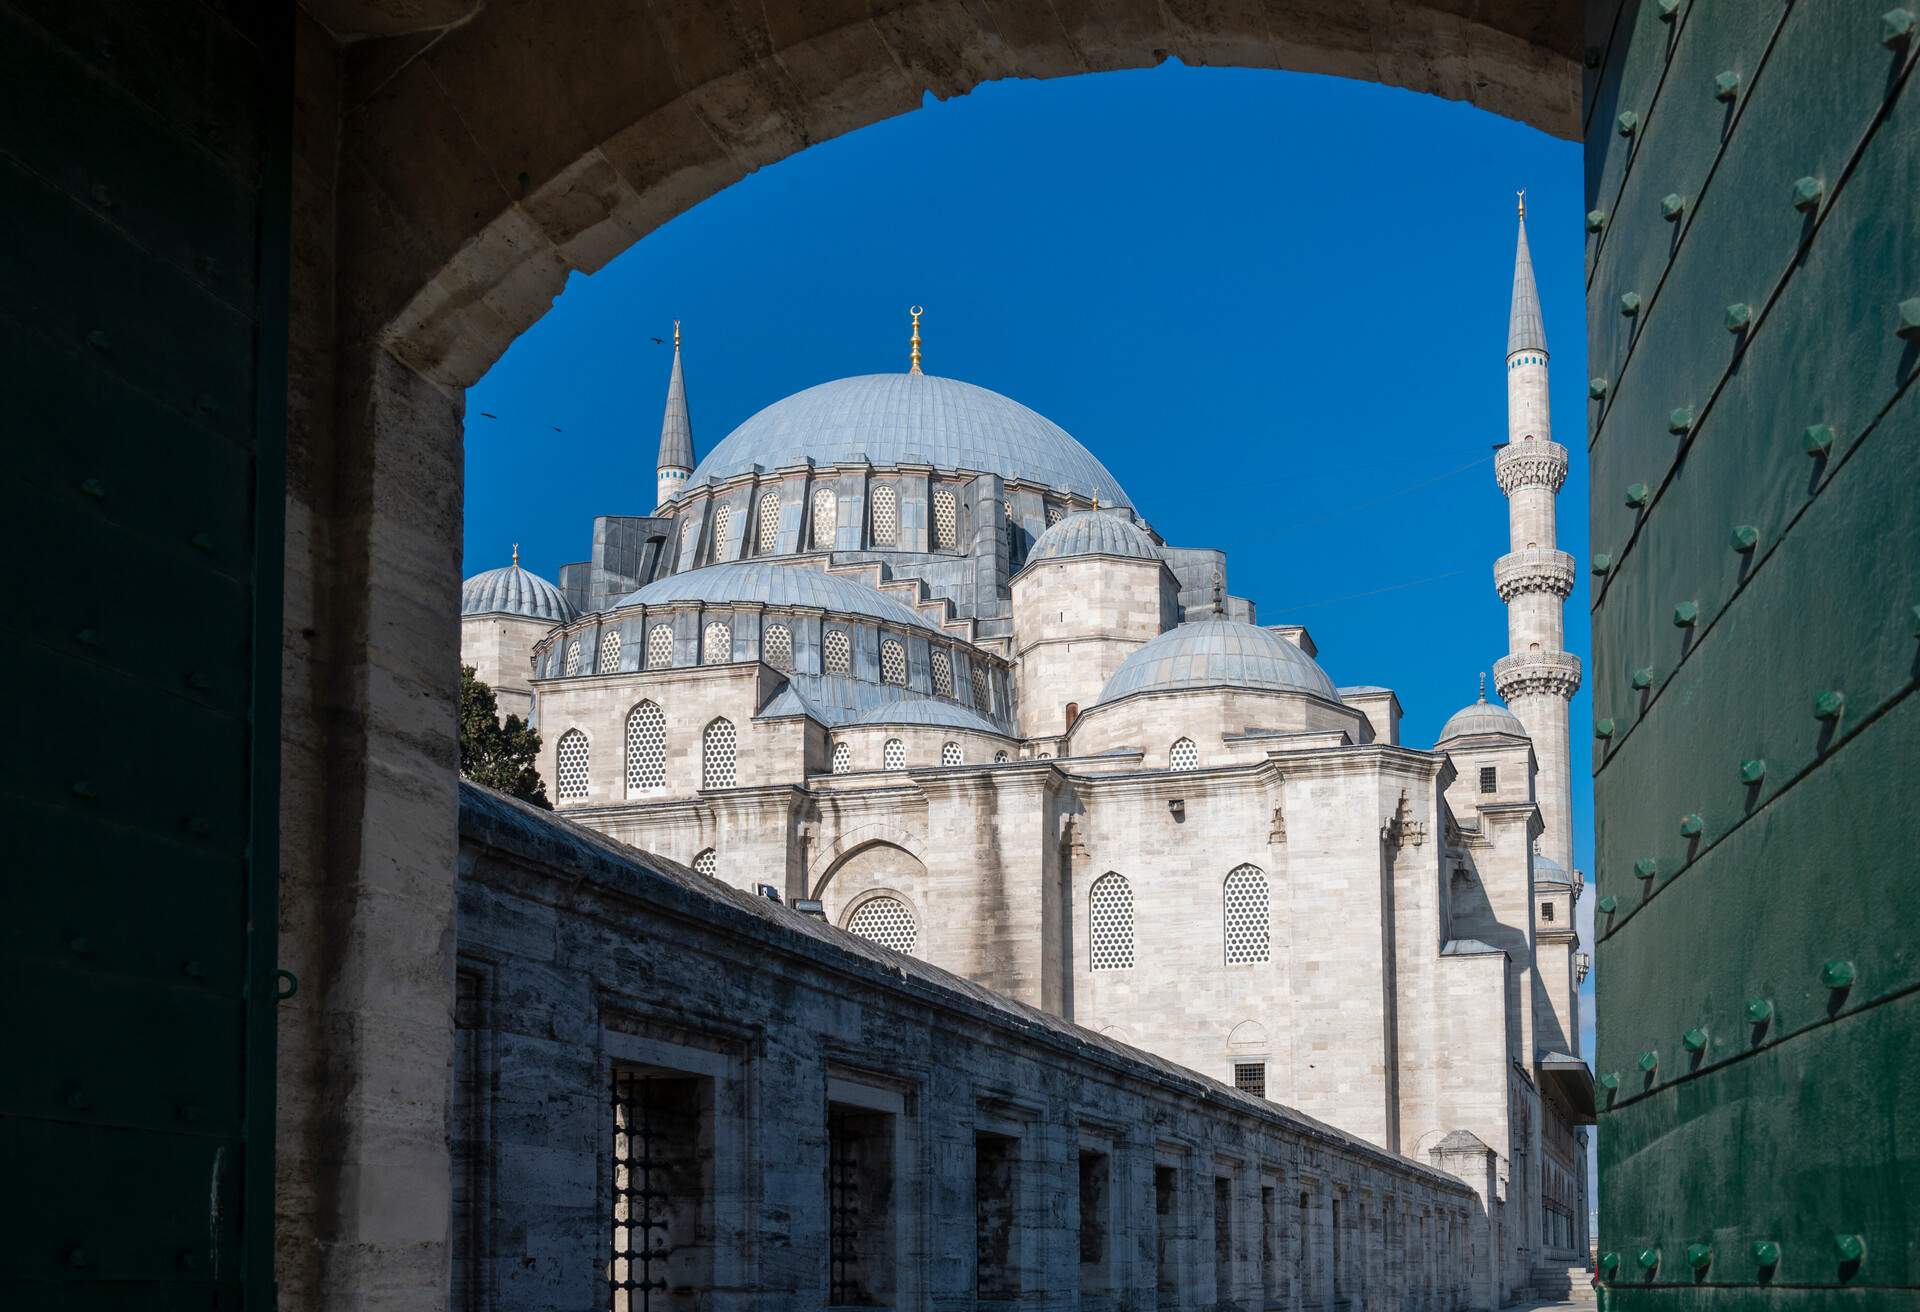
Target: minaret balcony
<point>1538,569</point>
<point>1533,673</point>
<point>1531,462</point>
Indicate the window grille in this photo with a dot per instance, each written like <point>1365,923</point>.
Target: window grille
<point>716,645</point>
<point>1250,1077</point>
<point>946,521</point>
<point>894,755</point>
<point>1000,758</point>
<point>1489,779</point>
<point>646,748</point>
<point>1008,506</point>
<point>1245,900</point>
<point>570,766</point>
<point>886,516</point>
<point>1183,755</point>
<point>706,863</point>
<point>573,657</point>
<point>837,652</point>
<point>686,544</point>
<point>777,649</point>
<point>1054,515</point>
<point>826,518</point>
<point>942,674</point>
<point>1110,923</point>
<point>893,662</point>
<point>886,921</point>
<point>609,652</point>
<point>950,755</point>
<point>717,755</point>
<point>769,524</point>
<point>982,690</point>
<point>842,758</point>
<point>651,1128</point>
<point>1546,912</point>
<point>660,647</point>
<point>722,521</point>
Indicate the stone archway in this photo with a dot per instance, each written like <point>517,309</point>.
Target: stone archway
<point>454,162</point>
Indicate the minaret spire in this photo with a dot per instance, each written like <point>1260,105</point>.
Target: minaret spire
<point>916,312</point>
<point>675,465</point>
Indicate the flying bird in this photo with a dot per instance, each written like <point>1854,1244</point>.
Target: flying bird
<point>659,341</point>
<point>488,414</point>
<point>556,428</point>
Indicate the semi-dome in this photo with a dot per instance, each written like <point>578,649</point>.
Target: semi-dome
<point>911,419</point>
<point>511,590</point>
<point>927,711</point>
<point>1094,533</point>
<point>770,584</point>
<point>1218,653</point>
<point>1481,717</point>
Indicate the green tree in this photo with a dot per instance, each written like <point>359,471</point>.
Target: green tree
<point>498,755</point>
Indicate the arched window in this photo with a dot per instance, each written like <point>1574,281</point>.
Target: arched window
<point>886,516</point>
<point>1000,757</point>
<point>660,647</point>
<point>776,649</point>
<point>950,754</point>
<point>1054,515</point>
<point>842,758</point>
<point>1183,755</point>
<point>610,651</point>
<point>837,652</point>
<point>686,543</point>
<point>1110,923</point>
<point>894,755</point>
<point>886,921</point>
<point>573,657</point>
<point>646,748</point>
<point>1248,936</point>
<point>570,766</point>
<point>982,690</point>
<point>1008,506</point>
<point>716,644</point>
<point>706,864</point>
<point>942,673</point>
<point>893,662</point>
<point>769,538</point>
<point>722,521</point>
<point>717,755</point>
<point>946,520</point>
<point>826,518</point>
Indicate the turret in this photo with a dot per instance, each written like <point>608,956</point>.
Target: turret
<point>675,465</point>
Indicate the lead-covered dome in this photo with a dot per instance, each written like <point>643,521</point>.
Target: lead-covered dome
<point>911,419</point>
<point>778,585</point>
<point>511,590</point>
<point>1094,533</point>
<point>1218,654</point>
<point>1482,717</point>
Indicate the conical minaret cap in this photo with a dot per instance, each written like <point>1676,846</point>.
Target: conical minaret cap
<point>1526,331</point>
<point>676,430</point>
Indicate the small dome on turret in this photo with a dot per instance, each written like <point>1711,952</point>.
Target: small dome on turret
<point>1094,533</point>
<point>1483,717</point>
<point>1218,653</point>
<point>511,590</point>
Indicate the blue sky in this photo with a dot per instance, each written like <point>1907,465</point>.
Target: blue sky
<point>1273,304</point>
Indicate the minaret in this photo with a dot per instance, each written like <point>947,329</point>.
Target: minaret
<point>1537,678</point>
<point>676,434</point>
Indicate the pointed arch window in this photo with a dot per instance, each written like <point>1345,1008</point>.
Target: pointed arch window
<point>717,755</point>
<point>893,662</point>
<point>886,921</point>
<point>570,766</point>
<point>826,518</point>
<point>837,652</point>
<point>1247,915</point>
<point>942,673</point>
<point>610,651</point>
<point>777,648</point>
<point>946,520</point>
<point>1183,755</point>
<point>573,657</point>
<point>769,532</point>
<point>686,544</point>
<point>842,758</point>
<point>1054,515</point>
<point>722,521</point>
<point>982,690</point>
<point>716,644</point>
<point>706,863</point>
<point>950,754</point>
<point>1110,923</point>
<point>886,516</point>
<point>646,748</point>
<point>893,756</point>
<point>660,647</point>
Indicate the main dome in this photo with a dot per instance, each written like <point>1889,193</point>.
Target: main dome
<point>912,419</point>
<point>1218,653</point>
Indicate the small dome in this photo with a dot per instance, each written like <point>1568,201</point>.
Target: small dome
<point>511,590</point>
<point>1218,653</point>
<point>927,711</point>
<point>1545,867</point>
<point>1094,533</point>
<point>1483,717</point>
<point>778,585</point>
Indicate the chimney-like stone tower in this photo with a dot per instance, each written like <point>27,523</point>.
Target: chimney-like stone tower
<point>1537,678</point>
<point>675,465</point>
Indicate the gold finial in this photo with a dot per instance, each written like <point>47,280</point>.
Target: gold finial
<point>1522,194</point>
<point>516,555</point>
<point>1096,501</point>
<point>676,334</point>
<point>916,312</point>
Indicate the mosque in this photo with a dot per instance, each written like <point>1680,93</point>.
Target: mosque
<point>902,653</point>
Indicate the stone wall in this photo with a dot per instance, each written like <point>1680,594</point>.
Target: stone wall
<point>784,1050</point>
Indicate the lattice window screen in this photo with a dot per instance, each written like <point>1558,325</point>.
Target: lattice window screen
<point>837,652</point>
<point>573,657</point>
<point>1248,934</point>
<point>609,652</point>
<point>769,524</point>
<point>646,748</point>
<point>826,518</point>
<point>722,521</point>
<point>946,520</point>
<point>942,674</point>
<point>660,647</point>
<point>950,754</point>
<point>1250,1077</point>
<point>717,755</point>
<point>1008,504</point>
<point>706,863</point>
<point>570,766</point>
<point>686,544</point>
<point>1183,755</point>
<point>886,517</point>
<point>716,644</point>
<point>982,690</point>
<point>893,662</point>
<point>842,759</point>
<point>885,921</point>
<point>1110,923</point>
<point>777,648</point>
<point>1000,758</point>
<point>1054,515</point>
<point>894,755</point>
